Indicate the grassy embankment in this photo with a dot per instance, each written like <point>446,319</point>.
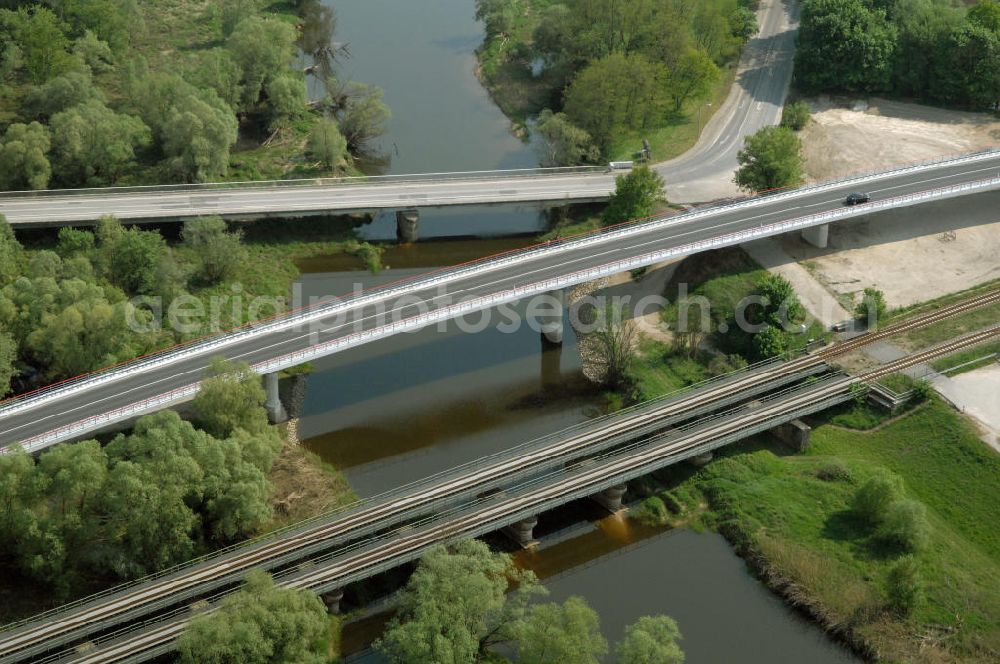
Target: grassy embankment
<point>521,96</point>
<point>789,515</point>
<point>796,529</point>
<point>722,277</point>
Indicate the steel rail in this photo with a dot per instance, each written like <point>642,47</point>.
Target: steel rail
<point>628,464</point>
<point>633,424</point>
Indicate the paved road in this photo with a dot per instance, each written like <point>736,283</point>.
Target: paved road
<point>532,267</point>
<point>703,173</point>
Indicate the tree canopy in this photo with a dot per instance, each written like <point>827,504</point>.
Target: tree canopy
<point>770,159</point>
<point>636,195</point>
<point>260,624</point>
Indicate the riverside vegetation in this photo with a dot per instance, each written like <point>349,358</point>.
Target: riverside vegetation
<point>598,76</point>
<point>101,92</point>
<point>87,514</point>
<point>66,300</point>
<point>880,530</point>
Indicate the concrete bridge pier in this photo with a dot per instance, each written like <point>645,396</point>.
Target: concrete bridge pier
<point>796,434</point>
<point>522,532</point>
<point>275,410</point>
<point>702,459</point>
<point>332,600</point>
<point>407,225</point>
<point>550,319</point>
<point>817,236</point>
<point>611,498</point>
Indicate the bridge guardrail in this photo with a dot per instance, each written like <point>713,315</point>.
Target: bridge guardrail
<point>479,463</point>
<point>318,183</point>
<point>322,310</point>
<point>519,292</point>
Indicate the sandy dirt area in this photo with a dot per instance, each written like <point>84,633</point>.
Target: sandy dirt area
<point>882,133</point>
<point>977,393</point>
<point>911,256</point>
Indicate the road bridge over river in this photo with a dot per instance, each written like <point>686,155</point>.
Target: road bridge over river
<point>89,403</point>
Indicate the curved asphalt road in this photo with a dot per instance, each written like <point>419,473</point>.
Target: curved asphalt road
<point>703,173</point>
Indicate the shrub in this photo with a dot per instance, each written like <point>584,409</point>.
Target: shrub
<point>652,512</point>
<point>796,115</point>
<point>671,502</point>
<point>905,525</point>
<point>904,586</point>
<point>834,470</point>
<point>872,307</point>
<point>872,500</point>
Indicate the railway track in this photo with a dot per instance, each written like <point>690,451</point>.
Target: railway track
<point>99,613</point>
<point>494,512</point>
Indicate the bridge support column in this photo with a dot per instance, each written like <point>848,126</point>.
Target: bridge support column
<point>702,459</point>
<point>611,498</point>
<point>817,236</point>
<point>550,319</point>
<point>407,223</point>
<point>795,434</point>
<point>332,601</point>
<point>522,532</point>
<point>275,411</point>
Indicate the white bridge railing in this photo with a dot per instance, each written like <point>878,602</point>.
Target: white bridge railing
<point>479,303</point>
<point>322,310</point>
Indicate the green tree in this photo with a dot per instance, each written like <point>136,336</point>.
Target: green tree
<point>986,13</point>
<point>41,40</point>
<point>770,159</point>
<point>636,195</point>
<point>616,93</point>
<point>92,145</point>
<point>564,144</point>
<point>133,259</point>
<point>363,116</point>
<point>262,48</point>
<point>60,93</point>
<point>197,135</point>
<point>74,474</point>
<point>872,307</point>
<point>147,519</point>
<point>327,144</point>
<point>11,252</point>
<point>692,77</point>
<point>231,12</point>
<point>904,586</point>
<point>231,397</point>
<point>844,45</point>
<point>8,359</point>
<point>94,53</point>
<point>769,342</point>
<point>260,624</point>
<point>795,116</point>
<point>567,633</point>
<point>925,27</point>
<point>286,100</point>
<point>455,606</point>
<point>971,68</point>
<point>219,252</point>
<point>215,69</point>
<point>24,162</point>
<point>905,525</point>
<point>872,500</point>
<point>613,341</point>
<point>73,241</point>
<point>651,640</point>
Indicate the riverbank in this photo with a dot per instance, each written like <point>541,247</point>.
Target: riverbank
<point>789,514</point>
<point>529,62</point>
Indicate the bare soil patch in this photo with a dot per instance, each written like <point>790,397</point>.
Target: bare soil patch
<point>882,133</point>
<point>911,254</point>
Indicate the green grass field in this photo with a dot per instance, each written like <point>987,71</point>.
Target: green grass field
<point>799,532</point>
